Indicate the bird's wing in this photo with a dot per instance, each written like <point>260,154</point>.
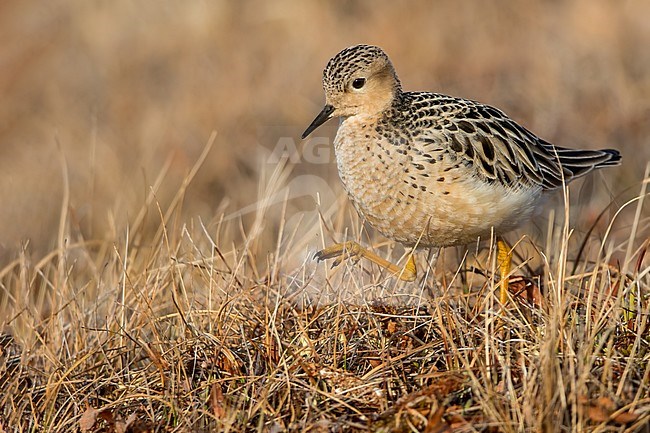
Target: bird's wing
<point>502,150</point>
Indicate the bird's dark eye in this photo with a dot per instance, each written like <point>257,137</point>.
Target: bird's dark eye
<point>358,83</point>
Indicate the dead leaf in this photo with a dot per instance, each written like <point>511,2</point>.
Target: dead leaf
<point>625,417</point>
<point>87,420</point>
<point>435,423</point>
<point>216,401</point>
<point>597,414</point>
<point>604,409</point>
<point>527,290</point>
<point>107,415</point>
<point>374,362</point>
<point>120,427</point>
<point>131,419</point>
<point>130,423</point>
<point>454,419</point>
<point>606,403</point>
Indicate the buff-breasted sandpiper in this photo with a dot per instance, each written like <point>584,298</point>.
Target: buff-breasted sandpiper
<point>430,170</point>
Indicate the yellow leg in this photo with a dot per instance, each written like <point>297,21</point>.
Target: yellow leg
<point>355,251</point>
<point>504,258</point>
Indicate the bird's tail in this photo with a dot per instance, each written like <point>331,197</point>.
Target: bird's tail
<point>581,162</point>
<point>573,163</point>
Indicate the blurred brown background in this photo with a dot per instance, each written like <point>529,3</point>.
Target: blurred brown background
<point>117,88</point>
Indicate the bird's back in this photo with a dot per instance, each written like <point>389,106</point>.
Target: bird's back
<point>499,149</point>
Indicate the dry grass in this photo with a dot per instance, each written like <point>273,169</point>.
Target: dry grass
<point>164,281</point>
<point>182,332</point>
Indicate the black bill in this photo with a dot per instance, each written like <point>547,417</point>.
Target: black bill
<point>322,117</point>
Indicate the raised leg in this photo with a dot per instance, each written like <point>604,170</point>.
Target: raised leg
<point>504,259</point>
<point>352,250</point>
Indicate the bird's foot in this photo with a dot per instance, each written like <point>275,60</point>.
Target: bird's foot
<point>340,252</point>
<point>352,250</point>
